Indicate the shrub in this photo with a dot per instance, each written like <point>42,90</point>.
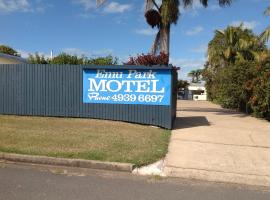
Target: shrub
<point>8,50</point>
<point>260,90</point>
<point>149,59</point>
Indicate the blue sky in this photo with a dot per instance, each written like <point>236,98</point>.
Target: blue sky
<point>118,28</point>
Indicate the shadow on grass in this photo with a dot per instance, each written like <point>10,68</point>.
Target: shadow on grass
<point>189,122</point>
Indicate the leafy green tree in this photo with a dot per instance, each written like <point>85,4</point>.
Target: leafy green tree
<point>65,58</point>
<point>227,48</point>
<point>37,59</point>
<point>182,84</point>
<point>232,44</point>
<point>8,50</point>
<point>230,83</point>
<point>107,60</point>
<point>196,75</point>
<point>259,87</point>
<point>237,72</point>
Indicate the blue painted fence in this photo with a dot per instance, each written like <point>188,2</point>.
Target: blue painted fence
<point>138,94</point>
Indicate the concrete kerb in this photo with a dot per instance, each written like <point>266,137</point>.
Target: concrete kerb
<point>113,166</point>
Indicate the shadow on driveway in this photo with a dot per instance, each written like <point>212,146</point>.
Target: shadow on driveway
<point>189,122</point>
<point>217,111</point>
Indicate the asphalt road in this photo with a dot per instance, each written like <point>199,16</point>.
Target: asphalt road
<point>35,182</point>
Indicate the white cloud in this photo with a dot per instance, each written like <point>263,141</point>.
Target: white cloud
<point>87,4</point>
<point>146,31</point>
<point>196,7</point>
<point>81,52</point>
<point>114,7</point>
<point>75,51</point>
<point>7,6</point>
<point>25,54</point>
<point>187,65</point>
<point>71,51</point>
<point>87,15</point>
<point>194,31</point>
<point>199,49</point>
<point>214,7</point>
<point>101,52</point>
<point>246,24</point>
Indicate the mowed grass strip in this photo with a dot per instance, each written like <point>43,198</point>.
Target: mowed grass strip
<point>83,138</point>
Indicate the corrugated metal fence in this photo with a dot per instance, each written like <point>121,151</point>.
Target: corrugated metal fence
<point>56,90</point>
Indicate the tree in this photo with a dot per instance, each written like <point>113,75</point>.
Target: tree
<point>267,11</point>
<point>65,58</point>
<point>231,45</point>
<point>237,71</point>
<point>8,50</point>
<point>107,60</point>
<point>182,84</point>
<point>37,59</point>
<point>169,13</point>
<point>266,34</point>
<point>196,75</point>
<point>163,16</point>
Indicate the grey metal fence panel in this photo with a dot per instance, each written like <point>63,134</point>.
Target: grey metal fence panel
<point>56,90</point>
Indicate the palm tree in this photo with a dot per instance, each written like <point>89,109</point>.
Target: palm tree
<point>233,44</point>
<point>195,75</point>
<point>266,34</point>
<point>165,15</point>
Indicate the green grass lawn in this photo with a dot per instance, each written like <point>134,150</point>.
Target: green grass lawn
<point>83,138</point>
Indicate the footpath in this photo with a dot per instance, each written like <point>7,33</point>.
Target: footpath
<point>215,144</point>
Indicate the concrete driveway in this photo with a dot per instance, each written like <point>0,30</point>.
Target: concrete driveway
<point>216,144</point>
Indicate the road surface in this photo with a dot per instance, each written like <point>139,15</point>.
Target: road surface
<point>36,182</point>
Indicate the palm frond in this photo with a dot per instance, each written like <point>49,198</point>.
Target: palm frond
<point>225,2</point>
<point>204,2</point>
<point>219,32</point>
<point>267,11</point>
<point>169,11</point>
<point>240,57</point>
<point>265,35</point>
<point>187,3</point>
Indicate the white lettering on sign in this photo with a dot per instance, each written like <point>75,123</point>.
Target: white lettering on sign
<point>104,74</point>
<point>142,75</point>
<point>143,86</point>
<point>115,86</point>
<point>96,96</point>
<point>127,86</point>
<point>155,87</point>
<point>93,86</point>
<point>109,88</point>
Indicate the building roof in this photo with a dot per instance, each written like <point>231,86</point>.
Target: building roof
<point>201,84</point>
<point>15,58</point>
<point>196,86</point>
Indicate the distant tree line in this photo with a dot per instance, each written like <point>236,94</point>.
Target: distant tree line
<point>65,58</point>
<point>62,58</point>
